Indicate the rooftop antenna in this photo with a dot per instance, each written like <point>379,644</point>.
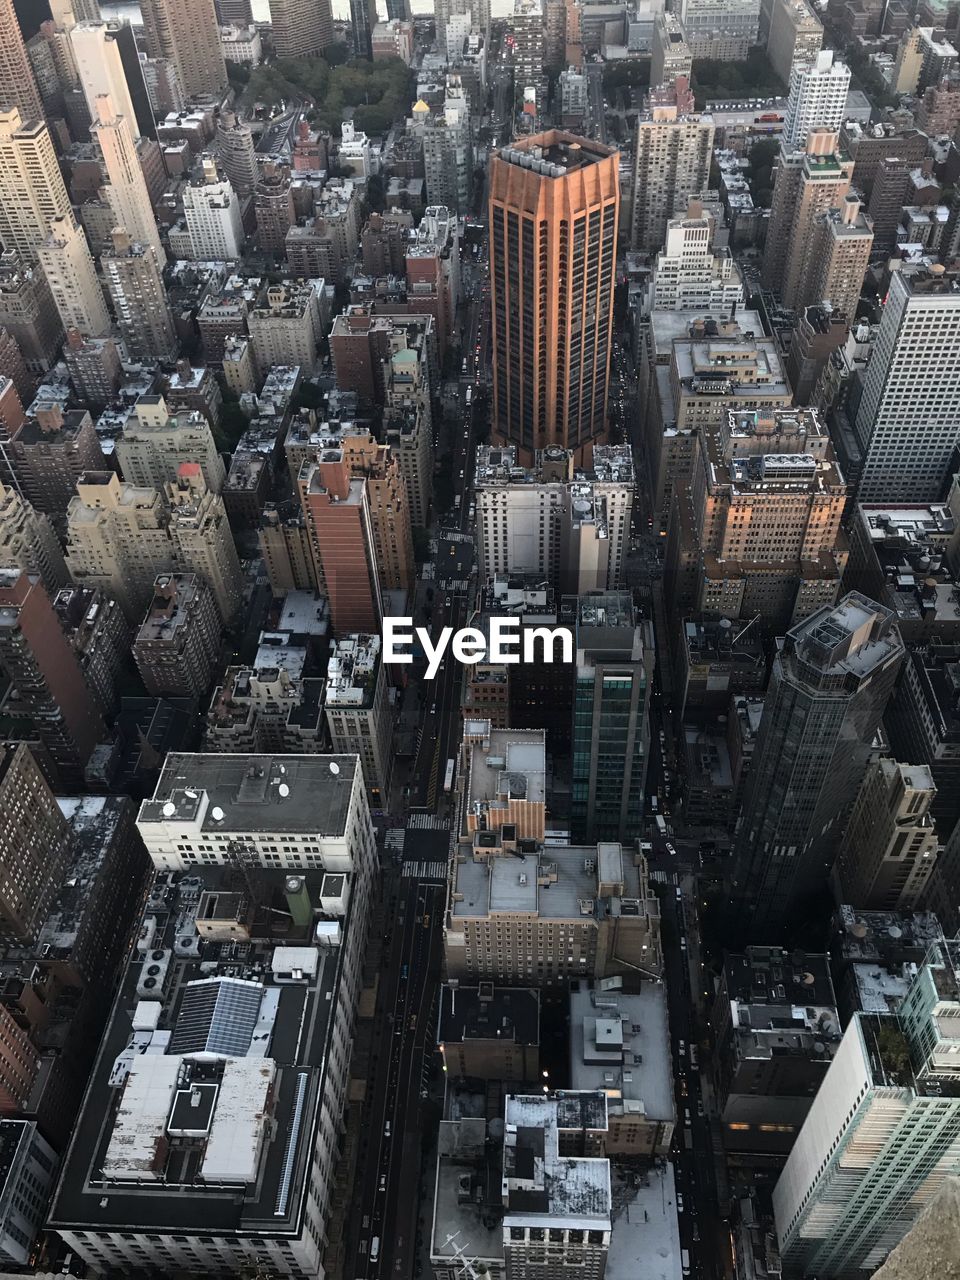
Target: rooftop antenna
<point>467,1267</point>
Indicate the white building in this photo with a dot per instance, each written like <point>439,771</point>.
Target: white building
<point>209,1137</point>
<point>569,526</point>
<point>97,55</point>
<point>817,99</point>
<point>689,274</point>
<point>72,277</point>
<point>241,45</point>
<point>448,151</point>
<point>882,1134</point>
<point>355,152</point>
<point>27,1168</point>
<point>358,710</point>
<point>908,420</point>
<point>212,211</point>
<point>126,188</point>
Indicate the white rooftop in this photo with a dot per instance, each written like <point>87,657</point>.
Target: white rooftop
<point>239,1121</point>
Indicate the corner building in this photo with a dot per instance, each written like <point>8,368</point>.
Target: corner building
<point>554,215</point>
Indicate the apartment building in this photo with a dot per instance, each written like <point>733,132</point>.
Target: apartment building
<point>178,644</point>
<point>672,161</point>
<point>155,443</point>
<point>358,711</point>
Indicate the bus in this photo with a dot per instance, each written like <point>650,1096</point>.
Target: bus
<point>448,777</point>
<point>469,397</point>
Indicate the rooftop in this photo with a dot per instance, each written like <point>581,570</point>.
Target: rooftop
<point>850,639</point>
<point>352,671</point>
<point>559,883</point>
<point>206,1141</point>
<point>554,154</point>
<point>620,1044</point>
<point>539,1183</point>
<point>486,1012</point>
<point>253,792</point>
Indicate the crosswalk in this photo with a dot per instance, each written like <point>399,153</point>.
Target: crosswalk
<point>394,839</point>
<point>423,870</point>
<point>427,822</point>
<point>659,877</point>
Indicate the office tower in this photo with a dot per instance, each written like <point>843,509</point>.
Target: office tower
<point>101,71</point>
<point>313,807</point>
<point>185,32</point>
<point>178,644</point>
<point>18,88</point>
<point>674,146</point>
<point>758,523</point>
<point>407,429</point>
<point>817,99</point>
<point>831,680</point>
<point>49,688</point>
<point>155,443</point>
<point>840,248</point>
<point>764,1083</point>
<point>358,711</point>
<point>337,509</point>
<point>301,27</point>
<point>236,152</point>
<point>527,25</point>
<point>398,11</point>
<point>610,725</point>
<point>363,18</point>
<point>32,192</point>
<point>49,453</point>
<point>720,29</point>
<point>565,524</point>
<point>883,1132</point>
<point>795,36</point>
<point>66,262</point>
<point>212,213</point>
<point>906,423</point>
<point>34,843</point>
<point>889,848</point>
<point>807,183</point>
<point>28,314</point>
<point>133,278</point>
<point>551,343</point>
<point>448,151</point>
<point>28,542</point>
<point>670,54</point>
<point>94,366</point>
<point>690,275</point>
<point>126,189</point>
<point>924,727</point>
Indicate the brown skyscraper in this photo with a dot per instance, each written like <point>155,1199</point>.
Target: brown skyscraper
<point>554,213</point>
<point>43,670</point>
<point>18,88</point>
<point>34,843</point>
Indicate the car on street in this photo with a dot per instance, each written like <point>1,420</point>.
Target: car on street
<point>673,853</point>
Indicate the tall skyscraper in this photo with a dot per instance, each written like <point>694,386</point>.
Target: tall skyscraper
<point>527,25</point>
<point>186,33</point>
<point>363,18</point>
<point>133,278</point>
<point>97,55</point>
<point>32,192</point>
<point>448,151</point>
<point>831,680</point>
<point>34,844</point>
<point>18,88</point>
<point>554,214</point>
<point>817,99</point>
<point>840,247</point>
<point>126,189</point>
<point>807,183</point>
<point>28,542</point>
<point>610,722</point>
<point>907,420</point>
<point>72,277</point>
<point>882,1134</point>
<point>673,151</point>
<point>43,670</point>
<point>236,152</point>
<point>301,27</point>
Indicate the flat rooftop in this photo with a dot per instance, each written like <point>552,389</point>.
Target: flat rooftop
<point>620,1044</point>
<point>558,883</point>
<point>554,154</point>
<point>539,1183</point>
<point>486,1012</point>
<point>243,792</point>
<point>198,1141</point>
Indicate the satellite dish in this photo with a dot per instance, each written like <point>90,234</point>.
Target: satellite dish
<point>283,789</point>
<point>216,813</point>
<point>334,768</point>
<point>169,809</point>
